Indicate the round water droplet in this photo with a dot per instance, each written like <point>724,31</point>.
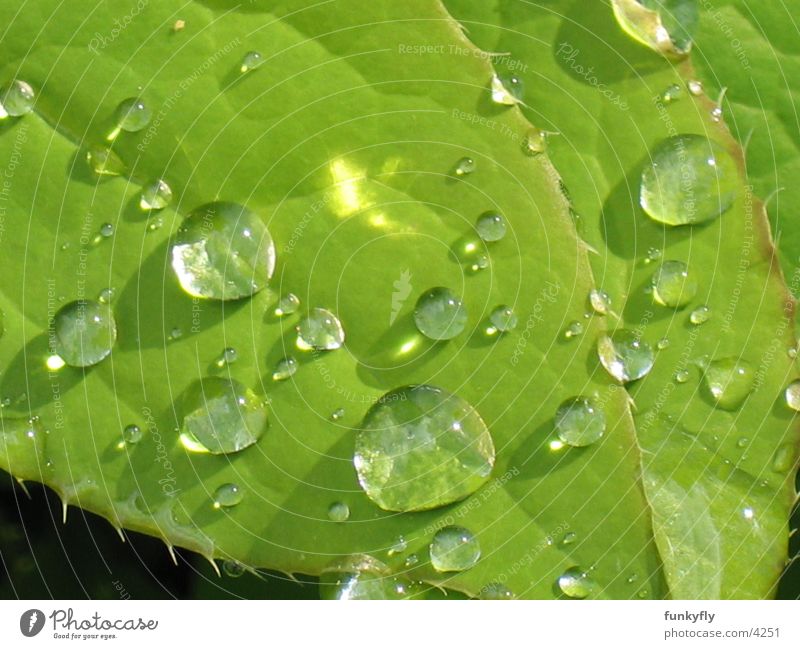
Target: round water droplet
<point>223,252</point>
<point>440,314</point>
<point>233,569</point>
<point>155,196</point>
<point>132,434</point>
<point>132,115</point>
<point>496,591</point>
<point>700,315</point>
<point>673,284</point>
<point>105,295</point>
<point>338,512</point>
<point>287,305</point>
<point>671,93</point>
<point>625,356</point>
<point>491,226</point>
<point>107,230</point>
<point>465,166</point>
<point>420,447</point>
<point>690,179</point>
<point>681,376</point>
<point>320,331</point>
<point>507,89</point>
<point>361,577</point>
<point>742,442</point>
<point>695,87</point>
<point>104,162</point>
<point>227,495</point>
<point>576,584</point>
<point>454,549</point>
<point>228,356</point>
<point>250,61</point>
<point>573,329</point>
<point>221,416</point>
<point>85,332</point>
<point>600,301</point>
<point>481,263</point>
<point>284,368</point>
<point>580,422</point>
<point>16,99</point>
<point>728,381</point>
<point>503,318</point>
<point>662,344</point>
<point>792,395</point>
<point>535,142</point>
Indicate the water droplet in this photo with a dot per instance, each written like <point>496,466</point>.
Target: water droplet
<point>642,594</point>
<point>338,512</point>
<point>681,376</point>
<point>155,196</point>
<point>653,254</point>
<point>361,577</point>
<point>227,495</point>
<point>491,226</point>
<point>700,315</point>
<point>233,569</point>
<point>481,263</point>
<point>107,230</point>
<point>784,459</point>
<point>671,93</point>
<point>250,61</point>
<point>600,301</point>
<point>440,314</point>
<point>535,141</point>
<point>728,381</point>
<point>576,584</point>
<point>690,179</point>
<point>227,357</point>
<point>662,344</point>
<point>104,162</point>
<point>716,114</point>
<point>223,252</point>
<point>105,295</point>
<point>420,447</point>
<point>320,331</point>
<point>633,578</point>
<point>155,223</point>
<point>695,87</point>
<point>337,414</point>
<point>398,546</point>
<point>454,549</point>
<point>411,560</point>
<point>569,538</point>
<point>792,395</point>
<point>465,166</point>
<point>580,422</point>
<point>287,305</point>
<point>792,352</point>
<point>176,333</point>
<point>496,591</point>
<point>132,434</point>
<point>16,99</point>
<point>85,332</point>
<point>507,90</point>
<point>573,329</point>
<point>503,318</point>
<point>742,442</point>
<point>625,356</point>
<point>284,368</point>
<point>673,284</point>
<point>221,416</point>
<point>132,115</point>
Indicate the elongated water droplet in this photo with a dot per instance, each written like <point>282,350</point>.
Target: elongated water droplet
<point>287,305</point>
<point>625,356</point>
<point>223,252</point>
<point>729,381</point>
<point>454,549</point>
<point>320,331</point>
<point>361,577</point>
<point>576,584</point>
<point>420,447</point>
<point>227,495</point>
<point>132,115</point>
<point>673,284</point>
<point>491,226</point>
<point>440,314</point>
<point>284,368</point>
<point>496,591</point>
<point>792,395</point>
<point>104,162</point>
<point>85,332</point>
<point>16,99</point>
<point>690,179</point>
<point>600,301</point>
<point>503,318</point>
<point>132,434</point>
<point>338,512</point>
<point>784,459</point>
<point>574,329</point>
<point>221,415</point>
<point>155,196</point>
<point>700,315</point>
<point>507,90</point>
<point>580,422</point>
<point>465,166</point>
<point>233,569</point>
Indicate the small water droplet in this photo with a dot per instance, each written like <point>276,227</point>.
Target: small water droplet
<point>700,315</point>
<point>575,583</point>
<point>481,263</point>
<point>132,434</point>
<point>662,344</point>
<point>503,318</point>
<point>284,368</point>
<point>398,546</point>
<point>695,87</point>
<point>16,99</point>
<point>85,332</point>
<point>287,305</point>
<point>600,301</point>
<point>792,395</point>
<point>439,314</point>
<point>625,356</point>
<point>411,560</point>
<point>496,591</point>
<point>507,90</point>
<point>742,442</point>
<point>227,495</point>
<point>535,142</point>
<point>633,578</point>
<point>792,352</point>
<point>178,26</point>
<point>580,422</point>
<point>465,166</point>
<point>454,549</point>
<point>671,93</point>
<point>107,230</point>
<point>673,284</point>
<point>155,196</point>
<point>569,538</point>
<point>132,115</point>
<point>653,254</point>
<point>491,226</point>
<point>233,569</point>
<point>642,594</point>
<point>250,61</point>
<point>104,162</point>
<point>227,357</point>
<point>223,251</point>
<point>176,333</point>
<point>728,381</point>
<point>337,414</point>
<point>320,331</point>
<point>574,329</point>
<point>105,295</point>
<point>420,447</point>
<point>716,114</point>
<point>690,179</point>
<point>338,512</point>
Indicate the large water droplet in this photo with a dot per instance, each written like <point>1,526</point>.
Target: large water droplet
<point>575,583</point>
<point>625,356</point>
<point>361,577</point>
<point>507,89</point>
<point>132,115</point>
<point>338,512</point>
<point>454,549</point>
<point>320,331</point>
<point>580,422</point>
<point>221,416</point>
<point>491,226</point>
<point>155,196</point>
<point>420,447</point>
<point>792,395</point>
<point>728,381</point>
<point>227,495</point>
<point>440,314</point>
<point>690,179</point>
<point>674,285</point>
<point>85,332</point>
<point>223,252</point>
<point>16,99</point>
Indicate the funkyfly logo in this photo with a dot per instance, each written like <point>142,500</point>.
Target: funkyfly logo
<point>402,289</point>
<point>31,622</point>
